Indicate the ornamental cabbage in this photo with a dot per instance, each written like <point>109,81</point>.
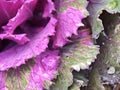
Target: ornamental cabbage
<point>30,33</point>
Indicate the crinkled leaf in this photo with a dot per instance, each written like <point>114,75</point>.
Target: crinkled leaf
<point>95,8</point>
<point>109,59</point>
<point>69,18</point>
<point>16,79</point>
<point>105,73</point>
<point>65,77</point>
<point>33,75</point>
<point>78,55</point>
<point>18,54</point>
<point>44,70</point>
<point>78,4</point>
<point>82,52</point>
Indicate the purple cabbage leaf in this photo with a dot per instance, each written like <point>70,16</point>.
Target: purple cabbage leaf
<point>34,75</point>
<point>69,15</point>
<point>30,31</point>
<point>22,38</point>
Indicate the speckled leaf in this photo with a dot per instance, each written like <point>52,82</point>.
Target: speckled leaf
<point>80,56</point>
<point>17,79</point>
<point>36,74</point>
<point>82,52</point>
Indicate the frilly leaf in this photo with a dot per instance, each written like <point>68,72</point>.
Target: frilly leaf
<point>18,54</point>
<point>105,71</point>
<point>95,9</point>
<point>34,75</point>
<point>65,77</point>
<point>78,55</point>
<point>78,4</point>
<point>44,70</point>
<point>82,52</point>
<point>20,39</point>
<point>70,15</point>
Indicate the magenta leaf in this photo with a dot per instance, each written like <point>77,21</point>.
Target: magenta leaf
<point>44,70</point>
<point>49,7</point>
<point>2,81</point>
<point>69,19</point>
<point>18,54</point>
<point>24,12</point>
<point>20,38</point>
<point>8,9</point>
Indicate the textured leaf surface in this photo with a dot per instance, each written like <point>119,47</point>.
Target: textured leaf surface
<point>70,15</point>
<point>35,75</point>
<point>82,56</point>
<point>110,72</point>
<point>18,54</point>
<point>95,8</point>
<point>105,73</point>
<point>65,77</point>
<point>81,53</point>
<point>16,79</point>
<point>78,55</point>
<point>44,70</point>
<point>2,81</point>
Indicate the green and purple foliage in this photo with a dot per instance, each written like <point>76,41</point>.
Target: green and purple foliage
<point>43,41</point>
